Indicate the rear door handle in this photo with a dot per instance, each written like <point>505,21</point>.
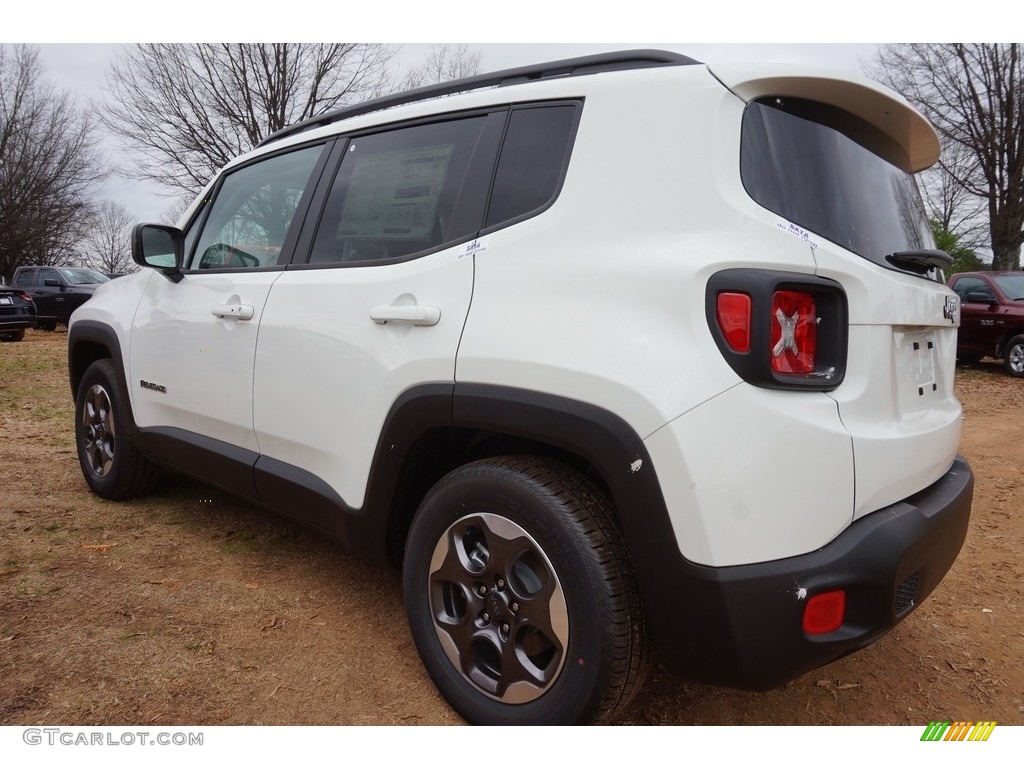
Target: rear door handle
<point>409,315</point>
<point>235,311</point>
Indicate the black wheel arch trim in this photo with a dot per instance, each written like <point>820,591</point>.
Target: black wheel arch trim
<point>600,437</point>
<point>87,335</point>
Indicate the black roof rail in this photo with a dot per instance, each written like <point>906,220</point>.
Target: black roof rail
<point>581,65</point>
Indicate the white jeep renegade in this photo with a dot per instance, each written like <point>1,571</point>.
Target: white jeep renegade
<point>608,353</point>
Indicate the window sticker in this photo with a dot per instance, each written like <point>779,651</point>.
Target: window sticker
<point>472,248</point>
<point>796,231</point>
<point>394,195</point>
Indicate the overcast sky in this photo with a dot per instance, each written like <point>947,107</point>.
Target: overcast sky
<point>70,35</point>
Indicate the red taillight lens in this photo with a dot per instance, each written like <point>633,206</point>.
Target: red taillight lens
<point>794,332</point>
<point>26,297</point>
<point>824,613</point>
<point>734,319</point>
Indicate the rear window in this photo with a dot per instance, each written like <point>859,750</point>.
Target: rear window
<point>833,174</point>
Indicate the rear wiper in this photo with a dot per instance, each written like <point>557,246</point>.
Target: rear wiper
<point>920,261</point>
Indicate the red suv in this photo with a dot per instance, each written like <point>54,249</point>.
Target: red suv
<point>992,318</point>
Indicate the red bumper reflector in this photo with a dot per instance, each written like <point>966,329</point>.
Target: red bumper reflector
<point>734,320</point>
<point>825,612</point>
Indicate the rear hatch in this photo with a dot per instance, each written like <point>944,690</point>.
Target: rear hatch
<point>834,158</point>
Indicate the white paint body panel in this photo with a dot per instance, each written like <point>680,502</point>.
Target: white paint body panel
<point>327,374</point>
<point>205,362</point>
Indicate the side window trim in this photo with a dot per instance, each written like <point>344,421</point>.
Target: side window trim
<point>288,246</point>
<point>317,204</point>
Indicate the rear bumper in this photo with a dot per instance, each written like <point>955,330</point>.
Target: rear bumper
<point>17,322</point>
<point>741,626</point>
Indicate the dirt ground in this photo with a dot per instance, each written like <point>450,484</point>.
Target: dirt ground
<point>187,607</point>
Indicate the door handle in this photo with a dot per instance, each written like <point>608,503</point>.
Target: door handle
<point>409,315</point>
<point>235,311</point>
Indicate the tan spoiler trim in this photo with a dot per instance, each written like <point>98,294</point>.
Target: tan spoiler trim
<point>868,100</point>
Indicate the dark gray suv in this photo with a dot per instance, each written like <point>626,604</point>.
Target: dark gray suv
<point>58,291</point>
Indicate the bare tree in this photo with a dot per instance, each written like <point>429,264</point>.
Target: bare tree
<point>176,209</point>
<point>444,62</point>
<point>974,95</point>
<point>107,246</point>
<point>184,111</point>
<point>949,204</point>
<point>48,165</point>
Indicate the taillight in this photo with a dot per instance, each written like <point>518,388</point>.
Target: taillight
<point>794,334</point>
<point>734,320</point>
<point>27,297</point>
<point>780,330</point>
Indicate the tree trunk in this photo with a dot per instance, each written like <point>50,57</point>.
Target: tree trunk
<point>1005,258</point>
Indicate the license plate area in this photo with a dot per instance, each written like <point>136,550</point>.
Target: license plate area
<point>6,300</point>
<point>917,367</point>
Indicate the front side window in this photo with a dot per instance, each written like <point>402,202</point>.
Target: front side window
<point>966,285</point>
<point>407,191</point>
<point>83,276</point>
<point>834,174</point>
<point>49,274</point>
<point>253,211</point>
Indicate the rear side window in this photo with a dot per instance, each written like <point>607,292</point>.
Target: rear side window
<point>533,160</point>
<point>25,277</point>
<point>407,191</point>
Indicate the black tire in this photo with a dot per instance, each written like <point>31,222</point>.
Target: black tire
<point>104,429</point>
<point>968,359</point>
<point>17,335</point>
<point>47,326</point>
<point>518,587</point>
<point>1013,356</point>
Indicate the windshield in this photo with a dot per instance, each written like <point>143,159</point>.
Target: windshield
<point>83,276</point>
<point>834,174</point>
<point>1012,286</point>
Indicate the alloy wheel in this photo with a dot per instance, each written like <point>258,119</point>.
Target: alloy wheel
<point>98,430</point>
<point>498,608</point>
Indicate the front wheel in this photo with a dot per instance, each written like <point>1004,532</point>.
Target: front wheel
<point>110,461</point>
<point>520,595</point>
<point>1013,357</point>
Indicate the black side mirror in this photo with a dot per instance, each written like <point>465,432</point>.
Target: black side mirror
<point>980,297</point>
<point>51,283</point>
<point>159,247</point>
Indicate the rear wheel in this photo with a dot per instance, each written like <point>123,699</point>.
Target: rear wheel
<point>521,597</point>
<point>111,463</point>
<point>17,335</point>
<point>1013,356</point>
<point>48,325</point>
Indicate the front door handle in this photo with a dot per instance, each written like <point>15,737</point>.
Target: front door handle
<point>410,315</point>
<point>234,311</point>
